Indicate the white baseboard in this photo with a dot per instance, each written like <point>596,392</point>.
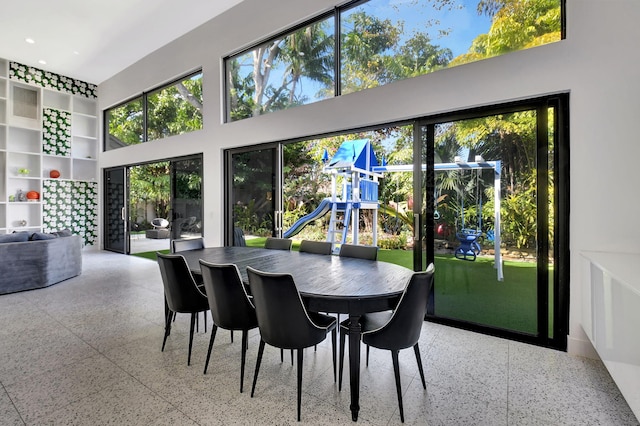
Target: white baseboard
<point>581,347</point>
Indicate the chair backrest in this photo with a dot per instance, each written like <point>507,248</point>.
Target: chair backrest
<point>317,247</point>
<point>185,244</point>
<point>278,243</point>
<point>228,300</point>
<point>238,237</point>
<point>159,222</point>
<point>282,317</point>
<point>358,251</point>
<point>180,288</point>
<point>403,328</point>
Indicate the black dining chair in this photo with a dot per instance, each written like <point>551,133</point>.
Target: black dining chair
<point>316,247</point>
<point>181,293</point>
<point>396,330</point>
<point>284,321</point>
<point>230,306</point>
<point>184,244</point>
<point>278,243</point>
<point>359,251</point>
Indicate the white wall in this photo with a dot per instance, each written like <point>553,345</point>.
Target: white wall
<point>597,64</point>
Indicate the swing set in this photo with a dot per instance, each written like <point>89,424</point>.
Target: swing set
<point>469,247</point>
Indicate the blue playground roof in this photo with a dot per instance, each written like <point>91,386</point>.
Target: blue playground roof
<point>354,154</point>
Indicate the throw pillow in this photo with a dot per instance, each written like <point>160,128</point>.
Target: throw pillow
<point>37,236</point>
<point>63,233</point>
<point>16,237</point>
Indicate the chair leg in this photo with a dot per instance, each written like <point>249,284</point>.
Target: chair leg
<point>368,355</point>
<point>231,336</point>
<point>291,356</point>
<point>300,356</point>
<point>214,328</point>
<point>197,323</point>
<point>204,315</point>
<point>258,361</point>
<point>194,316</point>
<point>396,371</point>
<point>343,334</point>
<point>334,351</point>
<point>245,338</point>
<point>416,349</point>
<point>167,328</point>
<point>281,355</point>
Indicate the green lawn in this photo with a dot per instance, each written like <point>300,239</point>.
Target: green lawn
<point>469,291</point>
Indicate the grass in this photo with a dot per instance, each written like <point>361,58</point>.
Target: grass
<point>469,291</point>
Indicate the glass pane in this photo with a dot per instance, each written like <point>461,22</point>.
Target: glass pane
<point>386,40</point>
<point>149,220</point>
<point>186,201</point>
<point>253,193</point>
<point>114,223</point>
<point>295,69</point>
<point>125,125</point>
<point>175,109</point>
<point>487,212</point>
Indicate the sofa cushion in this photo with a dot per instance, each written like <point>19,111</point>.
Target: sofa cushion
<point>63,233</point>
<point>37,236</point>
<point>16,237</point>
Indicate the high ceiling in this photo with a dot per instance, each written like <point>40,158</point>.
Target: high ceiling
<point>92,40</point>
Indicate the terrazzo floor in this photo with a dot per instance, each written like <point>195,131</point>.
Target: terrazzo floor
<point>87,352</point>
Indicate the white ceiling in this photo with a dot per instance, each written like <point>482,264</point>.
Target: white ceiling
<point>92,40</point>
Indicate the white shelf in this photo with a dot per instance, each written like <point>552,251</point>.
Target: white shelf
<point>71,148</point>
<point>84,125</point>
<point>84,169</point>
<point>20,139</point>
<point>54,162</point>
<point>56,100</point>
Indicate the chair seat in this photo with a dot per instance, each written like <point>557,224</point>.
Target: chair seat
<point>321,320</point>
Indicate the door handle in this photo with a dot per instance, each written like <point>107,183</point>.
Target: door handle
<point>122,213</point>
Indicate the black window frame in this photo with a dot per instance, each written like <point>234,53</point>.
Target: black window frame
<point>144,98</point>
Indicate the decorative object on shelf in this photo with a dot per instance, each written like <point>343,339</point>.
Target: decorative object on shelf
<point>54,174</point>
<point>12,198</point>
<point>33,196</point>
<point>23,171</point>
<point>20,196</point>
<point>23,222</point>
<point>56,136</point>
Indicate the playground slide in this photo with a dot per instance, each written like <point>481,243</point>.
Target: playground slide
<point>321,210</point>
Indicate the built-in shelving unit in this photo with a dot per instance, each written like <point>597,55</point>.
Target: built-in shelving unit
<point>43,129</point>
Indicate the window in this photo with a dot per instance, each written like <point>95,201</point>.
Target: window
<point>381,41</point>
<point>170,110</point>
<point>294,69</point>
<point>125,125</point>
<point>175,109</point>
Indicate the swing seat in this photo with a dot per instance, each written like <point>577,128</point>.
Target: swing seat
<point>469,248</point>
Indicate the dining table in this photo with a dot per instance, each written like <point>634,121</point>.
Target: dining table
<point>327,283</point>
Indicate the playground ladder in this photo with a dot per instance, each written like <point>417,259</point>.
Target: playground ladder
<point>335,235</point>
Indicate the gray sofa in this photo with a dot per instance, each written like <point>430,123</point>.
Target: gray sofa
<point>41,263</point>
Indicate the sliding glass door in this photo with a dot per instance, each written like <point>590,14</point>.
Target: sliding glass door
<point>253,187</point>
<point>489,219</point>
<point>116,236</point>
<point>186,197</point>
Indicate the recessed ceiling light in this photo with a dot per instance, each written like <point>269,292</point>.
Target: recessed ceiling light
<point>75,52</point>
<point>42,61</point>
<point>29,40</point>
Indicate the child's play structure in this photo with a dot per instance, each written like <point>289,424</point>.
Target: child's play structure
<point>355,172</point>
<point>354,187</point>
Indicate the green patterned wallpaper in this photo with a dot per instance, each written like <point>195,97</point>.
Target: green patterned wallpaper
<point>56,134</point>
<point>50,80</point>
<point>73,205</point>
